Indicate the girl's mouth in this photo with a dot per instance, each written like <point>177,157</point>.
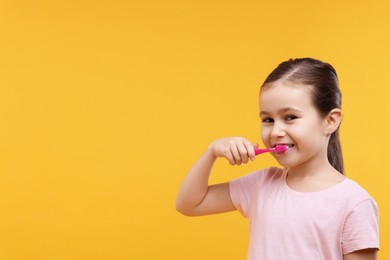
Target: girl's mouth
<point>288,145</point>
<point>283,148</point>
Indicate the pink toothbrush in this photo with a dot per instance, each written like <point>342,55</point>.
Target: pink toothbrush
<point>277,149</point>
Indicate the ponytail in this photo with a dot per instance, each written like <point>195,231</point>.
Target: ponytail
<point>335,155</point>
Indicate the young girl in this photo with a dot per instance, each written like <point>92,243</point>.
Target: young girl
<point>308,209</point>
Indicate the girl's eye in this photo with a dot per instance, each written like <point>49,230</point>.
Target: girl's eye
<point>290,117</point>
<point>267,120</point>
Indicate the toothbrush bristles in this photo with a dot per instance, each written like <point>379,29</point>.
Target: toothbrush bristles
<point>281,148</point>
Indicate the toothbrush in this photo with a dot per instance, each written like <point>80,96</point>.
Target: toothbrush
<point>277,149</point>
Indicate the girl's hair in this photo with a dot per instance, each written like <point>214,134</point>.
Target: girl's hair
<point>326,94</point>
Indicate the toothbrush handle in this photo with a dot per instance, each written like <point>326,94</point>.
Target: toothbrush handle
<point>260,151</point>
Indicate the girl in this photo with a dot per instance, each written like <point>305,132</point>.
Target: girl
<point>308,209</point>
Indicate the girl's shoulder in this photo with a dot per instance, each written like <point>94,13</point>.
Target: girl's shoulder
<point>351,188</point>
<point>266,176</point>
<point>350,195</point>
<point>266,173</point>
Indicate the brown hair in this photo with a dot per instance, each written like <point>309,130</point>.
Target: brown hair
<point>326,94</point>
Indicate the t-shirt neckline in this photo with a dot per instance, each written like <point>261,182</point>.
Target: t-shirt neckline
<point>309,193</point>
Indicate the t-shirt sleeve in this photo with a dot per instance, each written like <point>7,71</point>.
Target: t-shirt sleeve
<point>242,191</point>
<point>361,227</point>
<point>240,195</point>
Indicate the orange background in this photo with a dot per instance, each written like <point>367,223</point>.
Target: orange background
<point>105,105</point>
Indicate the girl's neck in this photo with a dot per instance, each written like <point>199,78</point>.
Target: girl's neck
<point>310,168</point>
<point>313,177</point>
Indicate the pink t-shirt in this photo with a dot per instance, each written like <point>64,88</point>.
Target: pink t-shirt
<point>286,224</point>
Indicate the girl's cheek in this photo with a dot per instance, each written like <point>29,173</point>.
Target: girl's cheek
<point>265,137</point>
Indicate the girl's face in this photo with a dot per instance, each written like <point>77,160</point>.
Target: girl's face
<point>289,118</point>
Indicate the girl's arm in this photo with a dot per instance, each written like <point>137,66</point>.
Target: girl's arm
<point>196,197</point>
<point>366,254</point>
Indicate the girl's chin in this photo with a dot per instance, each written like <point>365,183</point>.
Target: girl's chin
<point>285,159</point>
<point>285,163</point>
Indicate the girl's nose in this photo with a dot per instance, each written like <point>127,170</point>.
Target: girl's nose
<point>278,131</point>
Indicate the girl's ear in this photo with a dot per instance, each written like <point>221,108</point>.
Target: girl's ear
<point>333,120</point>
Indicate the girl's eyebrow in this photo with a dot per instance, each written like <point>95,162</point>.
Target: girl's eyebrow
<point>281,111</point>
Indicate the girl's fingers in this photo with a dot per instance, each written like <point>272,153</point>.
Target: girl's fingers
<point>244,152</point>
<point>236,154</point>
<point>229,156</point>
<point>236,150</point>
<point>250,148</point>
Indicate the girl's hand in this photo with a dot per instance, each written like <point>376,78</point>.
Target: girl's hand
<point>236,150</point>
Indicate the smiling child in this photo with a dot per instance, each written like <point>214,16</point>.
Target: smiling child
<point>308,209</point>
